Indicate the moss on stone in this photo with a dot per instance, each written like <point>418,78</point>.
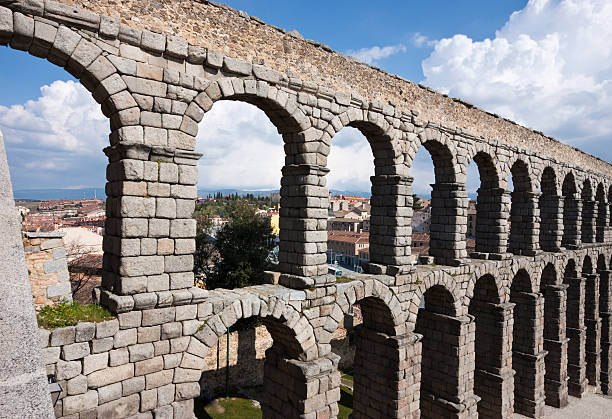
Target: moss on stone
<point>70,313</point>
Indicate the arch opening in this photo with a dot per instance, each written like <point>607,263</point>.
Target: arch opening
<point>381,369</point>
<point>444,337</point>
<point>267,371</point>
<point>528,356</point>
<point>522,211</point>
<point>592,319</point>
<point>575,327</point>
<point>352,241</point>
<point>445,221</point>
<point>240,225</point>
<point>602,214</point>
<point>555,300</point>
<point>550,206</point>
<point>486,224</point>
<point>492,346</point>
<point>54,131</point>
<point>571,213</point>
<point>588,213</point>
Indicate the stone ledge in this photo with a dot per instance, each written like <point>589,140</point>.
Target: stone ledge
<point>45,235</point>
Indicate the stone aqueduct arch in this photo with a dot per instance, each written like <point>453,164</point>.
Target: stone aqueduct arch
<point>156,88</point>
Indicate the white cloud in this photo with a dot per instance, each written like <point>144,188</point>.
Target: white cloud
<point>56,138</point>
<point>375,53</point>
<point>241,147</point>
<point>549,67</point>
<point>64,117</point>
<point>419,40</point>
<point>350,162</point>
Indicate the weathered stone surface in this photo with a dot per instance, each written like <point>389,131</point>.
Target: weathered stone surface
<point>118,357</point>
<point>101,345</point>
<point>149,366</point>
<point>80,403</point>
<point>187,391</point>
<point>154,42</point>
<point>107,328</point>
<point>67,369</point>
<point>158,379</point>
<point>124,407</point>
<point>176,47</point>
<point>76,385</point>
<point>85,332</point>
<point>109,393</point>
<point>95,362</point>
<point>110,375</point>
<point>63,336</point>
<point>125,337</point>
<point>51,355</point>
<point>158,316</point>
<point>133,385</point>
<point>75,351</point>
<point>141,352</point>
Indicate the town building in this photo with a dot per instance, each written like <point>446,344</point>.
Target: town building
<point>471,227</point>
<point>345,247</point>
<point>421,220</point>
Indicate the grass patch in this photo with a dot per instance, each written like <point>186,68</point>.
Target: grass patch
<point>227,408</point>
<point>345,405</point>
<point>70,313</point>
<point>342,279</point>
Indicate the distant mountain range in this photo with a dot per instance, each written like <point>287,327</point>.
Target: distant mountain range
<point>81,193</point>
<point>242,192</point>
<point>48,194</point>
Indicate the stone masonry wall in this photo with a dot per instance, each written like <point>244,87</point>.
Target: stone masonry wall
<point>47,267</point>
<point>246,358</point>
<point>217,27</point>
<point>155,89</point>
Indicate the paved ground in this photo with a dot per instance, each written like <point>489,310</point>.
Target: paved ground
<point>591,406</point>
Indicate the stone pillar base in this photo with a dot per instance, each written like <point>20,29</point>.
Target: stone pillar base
<point>304,282</point>
<point>392,270</point>
<point>576,367</point>
<point>593,352</point>
<point>387,375</point>
<point>556,393</point>
<point>498,392</point>
<point>435,407</point>
<point>577,389</point>
<point>606,353</point>
<point>299,389</point>
<point>529,394</point>
<point>439,260</point>
<point>490,256</point>
<point>556,379</point>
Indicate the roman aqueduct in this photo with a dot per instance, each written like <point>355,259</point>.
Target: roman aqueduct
<point>520,323</point>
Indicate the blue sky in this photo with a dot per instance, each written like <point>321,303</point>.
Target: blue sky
<point>545,63</point>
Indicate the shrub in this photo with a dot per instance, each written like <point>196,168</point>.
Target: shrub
<point>68,313</point>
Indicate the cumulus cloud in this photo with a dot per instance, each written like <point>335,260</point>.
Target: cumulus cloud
<point>56,138</point>
<point>419,40</point>
<point>64,117</point>
<point>549,67</point>
<point>375,53</point>
<point>350,162</point>
<point>242,149</point>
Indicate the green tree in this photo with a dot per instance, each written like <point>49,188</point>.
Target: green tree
<point>416,203</point>
<point>205,252</point>
<point>243,245</point>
